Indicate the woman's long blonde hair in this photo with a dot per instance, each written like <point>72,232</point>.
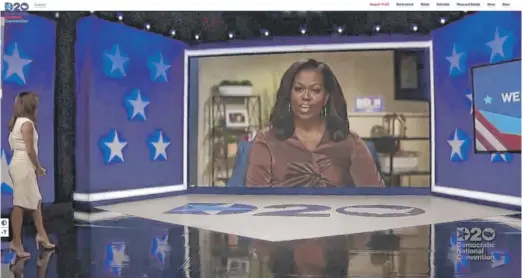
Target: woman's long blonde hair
<point>25,105</point>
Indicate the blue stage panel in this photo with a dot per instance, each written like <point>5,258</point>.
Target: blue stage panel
<point>28,64</point>
<point>131,110</point>
<point>478,40</point>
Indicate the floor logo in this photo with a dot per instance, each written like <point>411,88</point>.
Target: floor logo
<point>381,211</point>
<point>212,209</point>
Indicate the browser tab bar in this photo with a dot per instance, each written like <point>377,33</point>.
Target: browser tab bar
<point>304,5</point>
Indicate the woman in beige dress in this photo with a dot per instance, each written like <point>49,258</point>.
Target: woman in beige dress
<point>24,168</point>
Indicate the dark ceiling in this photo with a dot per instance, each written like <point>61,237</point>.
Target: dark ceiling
<point>218,26</point>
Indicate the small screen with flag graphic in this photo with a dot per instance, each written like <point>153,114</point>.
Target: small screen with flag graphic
<point>496,100</point>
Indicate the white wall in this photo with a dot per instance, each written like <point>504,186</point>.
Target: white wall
<point>362,73</point>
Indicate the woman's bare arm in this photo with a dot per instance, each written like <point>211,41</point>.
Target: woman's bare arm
<point>28,136</point>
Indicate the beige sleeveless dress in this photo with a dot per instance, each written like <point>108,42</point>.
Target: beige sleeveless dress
<point>26,193</point>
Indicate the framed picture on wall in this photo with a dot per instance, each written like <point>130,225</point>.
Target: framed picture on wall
<point>409,75</point>
<point>236,118</point>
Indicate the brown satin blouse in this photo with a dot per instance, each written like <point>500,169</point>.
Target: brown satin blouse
<point>288,163</point>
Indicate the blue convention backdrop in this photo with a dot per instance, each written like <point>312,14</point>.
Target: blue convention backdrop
<point>480,39</point>
<point>28,64</point>
<point>130,113</point>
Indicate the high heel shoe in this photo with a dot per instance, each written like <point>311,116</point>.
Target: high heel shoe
<point>45,243</point>
<point>43,260</point>
<point>18,267</point>
<point>19,251</point>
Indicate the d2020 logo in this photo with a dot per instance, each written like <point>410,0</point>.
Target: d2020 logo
<point>381,211</point>
<point>212,209</point>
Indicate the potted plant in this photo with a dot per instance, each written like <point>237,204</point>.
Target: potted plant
<point>235,88</point>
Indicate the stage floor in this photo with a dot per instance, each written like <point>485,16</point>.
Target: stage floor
<point>283,218</point>
<point>221,237</point>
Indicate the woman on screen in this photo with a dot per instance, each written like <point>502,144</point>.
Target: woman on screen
<point>309,142</point>
<point>24,168</point>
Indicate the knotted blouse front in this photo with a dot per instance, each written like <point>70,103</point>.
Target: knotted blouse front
<point>288,163</point>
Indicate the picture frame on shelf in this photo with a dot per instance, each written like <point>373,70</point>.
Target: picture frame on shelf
<point>236,118</point>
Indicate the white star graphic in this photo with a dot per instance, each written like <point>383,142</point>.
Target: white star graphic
<point>117,61</point>
<point>162,247</point>
<point>138,106</point>
<point>6,177</point>
<point>161,147</point>
<point>161,68</point>
<point>501,155</point>
<point>116,147</point>
<point>454,59</point>
<point>16,64</point>
<point>119,257</point>
<point>497,45</point>
<point>456,145</point>
<point>487,99</point>
<point>452,254</point>
<point>470,97</point>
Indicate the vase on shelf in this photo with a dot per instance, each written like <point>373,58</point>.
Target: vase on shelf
<point>235,88</point>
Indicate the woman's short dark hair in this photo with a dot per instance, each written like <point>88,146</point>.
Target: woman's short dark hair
<point>282,119</point>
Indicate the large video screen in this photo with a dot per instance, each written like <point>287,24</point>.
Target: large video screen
<point>496,100</point>
<point>306,120</point>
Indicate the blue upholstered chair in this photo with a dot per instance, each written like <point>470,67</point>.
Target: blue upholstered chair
<point>375,154</point>
<point>243,150</point>
<point>240,168</point>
